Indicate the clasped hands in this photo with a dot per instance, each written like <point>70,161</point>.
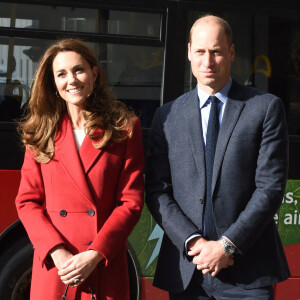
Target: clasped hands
<point>209,256</point>
<point>74,269</point>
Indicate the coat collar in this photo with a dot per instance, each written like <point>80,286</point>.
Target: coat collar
<point>76,164</point>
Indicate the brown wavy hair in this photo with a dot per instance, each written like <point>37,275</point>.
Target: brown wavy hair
<point>101,110</point>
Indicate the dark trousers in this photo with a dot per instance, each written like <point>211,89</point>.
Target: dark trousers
<point>203,287</point>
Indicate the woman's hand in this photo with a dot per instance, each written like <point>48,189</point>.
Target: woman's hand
<point>79,267</point>
<point>60,255</point>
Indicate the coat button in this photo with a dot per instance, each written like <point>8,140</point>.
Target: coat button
<point>63,213</point>
<point>201,201</point>
<point>89,243</point>
<point>91,212</point>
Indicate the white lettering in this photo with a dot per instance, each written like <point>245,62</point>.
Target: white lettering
<point>292,219</point>
<point>288,219</point>
<point>289,197</point>
<point>295,217</point>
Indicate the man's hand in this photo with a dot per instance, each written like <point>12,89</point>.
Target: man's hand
<point>79,267</point>
<point>194,245</point>
<point>209,256</point>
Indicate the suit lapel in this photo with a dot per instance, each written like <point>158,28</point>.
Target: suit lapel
<point>67,155</point>
<point>192,121</point>
<point>231,115</point>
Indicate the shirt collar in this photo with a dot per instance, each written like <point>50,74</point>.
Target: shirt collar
<point>222,95</point>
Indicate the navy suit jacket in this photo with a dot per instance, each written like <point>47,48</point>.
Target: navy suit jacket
<point>249,177</point>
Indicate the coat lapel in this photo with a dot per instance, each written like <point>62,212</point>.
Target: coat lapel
<point>67,155</point>
<point>192,121</point>
<point>88,154</point>
<point>231,115</point>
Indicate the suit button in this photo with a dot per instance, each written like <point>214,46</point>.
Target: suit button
<point>91,212</point>
<point>63,213</point>
<point>89,243</point>
<point>201,201</point>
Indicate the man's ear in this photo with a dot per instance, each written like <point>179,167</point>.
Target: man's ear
<point>189,51</point>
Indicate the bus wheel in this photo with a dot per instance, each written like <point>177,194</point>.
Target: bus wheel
<point>134,278</point>
<point>15,276</point>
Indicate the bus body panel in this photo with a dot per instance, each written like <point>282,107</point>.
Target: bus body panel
<point>10,180</point>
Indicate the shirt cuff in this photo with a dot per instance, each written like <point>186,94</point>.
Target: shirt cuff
<point>188,239</point>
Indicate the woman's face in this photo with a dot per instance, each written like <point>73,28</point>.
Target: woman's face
<point>74,78</point>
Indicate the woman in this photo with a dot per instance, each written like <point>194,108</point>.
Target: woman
<point>81,191</point>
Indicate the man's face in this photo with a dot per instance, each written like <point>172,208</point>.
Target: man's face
<point>210,56</point>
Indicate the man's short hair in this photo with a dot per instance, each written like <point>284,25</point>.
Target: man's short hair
<point>219,20</point>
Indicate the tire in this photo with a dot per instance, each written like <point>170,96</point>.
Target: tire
<point>15,276</point>
<point>134,278</point>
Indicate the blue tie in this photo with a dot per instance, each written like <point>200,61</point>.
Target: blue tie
<point>210,149</point>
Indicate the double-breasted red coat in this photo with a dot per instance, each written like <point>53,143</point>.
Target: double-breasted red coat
<point>86,199</point>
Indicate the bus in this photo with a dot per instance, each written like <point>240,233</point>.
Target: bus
<point>142,46</point>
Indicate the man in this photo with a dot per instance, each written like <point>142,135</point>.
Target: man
<point>216,173</point>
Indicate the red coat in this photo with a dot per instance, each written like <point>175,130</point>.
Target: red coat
<point>89,199</point>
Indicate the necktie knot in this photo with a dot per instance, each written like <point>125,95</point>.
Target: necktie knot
<point>214,99</point>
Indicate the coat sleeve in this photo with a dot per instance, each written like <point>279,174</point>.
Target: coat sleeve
<point>270,180</point>
<point>159,189</point>
<point>29,203</point>
<point>129,198</point>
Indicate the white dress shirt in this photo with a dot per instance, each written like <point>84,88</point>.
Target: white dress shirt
<point>205,105</point>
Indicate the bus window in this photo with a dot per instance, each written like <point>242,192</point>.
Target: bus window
<point>134,71</point>
<point>135,75</point>
<point>74,19</point>
<point>15,77</point>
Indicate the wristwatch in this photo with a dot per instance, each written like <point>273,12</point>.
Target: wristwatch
<point>228,247</point>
